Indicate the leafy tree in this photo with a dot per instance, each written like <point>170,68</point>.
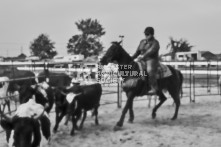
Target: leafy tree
<point>43,47</point>
<point>88,42</point>
<point>178,46</point>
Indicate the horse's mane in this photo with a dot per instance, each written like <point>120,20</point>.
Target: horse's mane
<point>127,57</point>
<point>123,50</point>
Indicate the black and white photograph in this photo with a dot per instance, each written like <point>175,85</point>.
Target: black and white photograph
<point>110,73</point>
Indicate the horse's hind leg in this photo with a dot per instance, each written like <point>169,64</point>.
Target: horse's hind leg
<point>131,112</point>
<point>162,99</point>
<point>176,99</point>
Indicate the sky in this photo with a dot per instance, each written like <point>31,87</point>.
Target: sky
<point>197,21</point>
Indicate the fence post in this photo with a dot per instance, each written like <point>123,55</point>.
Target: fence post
<point>217,75</point>
<point>219,86</point>
<point>208,77</point>
<point>194,86</point>
<point>119,93</point>
<point>190,82</point>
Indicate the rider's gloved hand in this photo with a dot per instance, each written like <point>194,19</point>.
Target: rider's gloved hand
<point>139,58</point>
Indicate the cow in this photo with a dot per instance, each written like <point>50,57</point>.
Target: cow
<point>39,92</point>
<point>69,102</point>
<point>18,78</point>
<point>28,86</point>
<point>53,80</point>
<point>25,127</point>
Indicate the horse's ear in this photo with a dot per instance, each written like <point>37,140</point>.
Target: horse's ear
<point>120,42</point>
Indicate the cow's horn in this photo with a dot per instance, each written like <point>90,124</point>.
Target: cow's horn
<point>62,93</point>
<point>8,118</point>
<point>33,86</point>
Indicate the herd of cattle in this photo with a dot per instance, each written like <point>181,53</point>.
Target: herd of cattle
<point>37,95</point>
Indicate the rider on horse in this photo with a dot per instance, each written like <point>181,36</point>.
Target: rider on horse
<point>148,52</point>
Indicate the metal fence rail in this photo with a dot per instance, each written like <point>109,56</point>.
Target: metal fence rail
<point>193,73</point>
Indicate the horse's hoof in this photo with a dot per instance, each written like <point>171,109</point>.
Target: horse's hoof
<point>72,133</point>
<point>54,131</point>
<point>154,115</point>
<point>96,123</point>
<point>130,121</point>
<point>117,128</point>
<point>80,127</point>
<point>49,140</point>
<point>76,128</point>
<point>174,118</point>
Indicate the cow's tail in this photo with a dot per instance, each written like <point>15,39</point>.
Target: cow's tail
<point>45,126</point>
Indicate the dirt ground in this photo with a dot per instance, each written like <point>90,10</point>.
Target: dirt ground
<point>198,125</point>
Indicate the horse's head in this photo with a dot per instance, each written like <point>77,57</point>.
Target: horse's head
<point>113,54</point>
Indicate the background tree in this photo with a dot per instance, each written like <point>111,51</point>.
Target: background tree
<point>43,47</point>
<point>88,42</point>
<point>178,46</point>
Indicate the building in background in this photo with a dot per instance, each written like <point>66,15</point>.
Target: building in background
<point>1,59</point>
<point>32,58</point>
<point>68,58</point>
<point>191,56</point>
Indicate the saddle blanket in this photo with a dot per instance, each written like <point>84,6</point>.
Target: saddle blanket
<point>163,70</point>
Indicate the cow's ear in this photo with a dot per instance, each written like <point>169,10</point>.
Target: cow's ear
<point>17,87</point>
<point>66,89</point>
<point>6,124</point>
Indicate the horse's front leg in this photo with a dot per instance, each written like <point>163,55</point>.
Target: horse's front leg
<point>162,99</point>
<point>126,107</point>
<point>176,98</point>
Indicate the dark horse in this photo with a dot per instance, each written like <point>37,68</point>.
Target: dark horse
<point>173,83</point>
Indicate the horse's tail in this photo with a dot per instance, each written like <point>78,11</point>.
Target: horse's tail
<point>180,78</point>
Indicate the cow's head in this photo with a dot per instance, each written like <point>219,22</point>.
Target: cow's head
<point>60,95</point>
<point>64,97</point>
<point>4,81</point>
<point>72,102</point>
<point>2,84</point>
<point>26,92</point>
<point>21,131</point>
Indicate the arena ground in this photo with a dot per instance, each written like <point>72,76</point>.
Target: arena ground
<point>198,125</point>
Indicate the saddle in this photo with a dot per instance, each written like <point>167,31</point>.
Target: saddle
<point>163,70</point>
<point>142,83</point>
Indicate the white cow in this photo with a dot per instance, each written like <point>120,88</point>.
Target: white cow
<point>29,115</point>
